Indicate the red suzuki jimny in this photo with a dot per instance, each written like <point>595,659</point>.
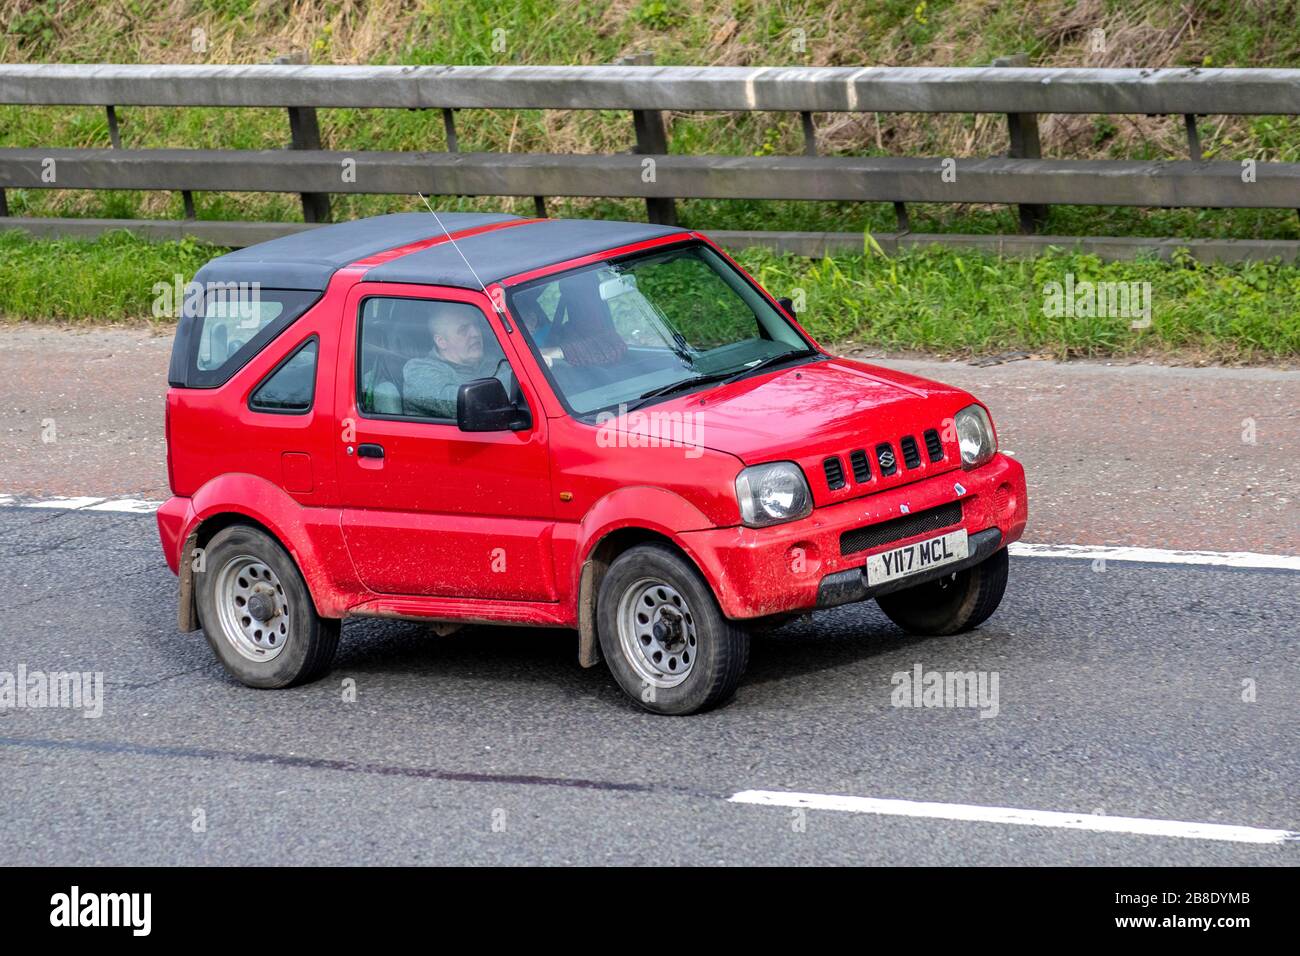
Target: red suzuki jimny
<point>607,426</point>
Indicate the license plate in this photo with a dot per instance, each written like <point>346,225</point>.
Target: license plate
<point>914,558</point>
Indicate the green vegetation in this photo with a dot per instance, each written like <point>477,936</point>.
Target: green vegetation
<point>946,301</point>
<point>1147,33</point>
<point>934,300</point>
<point>964,303</point>
<point>108,280</point>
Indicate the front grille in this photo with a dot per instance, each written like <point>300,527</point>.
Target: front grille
<point>911,456</point>
<point>933,445</point>
<point>861,467</point>
<point>885,456</point>
<point>895,529</point>
<point>834,473</point>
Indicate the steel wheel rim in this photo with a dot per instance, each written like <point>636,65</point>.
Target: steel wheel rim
<point>657,632</point>
<point>252,609</point>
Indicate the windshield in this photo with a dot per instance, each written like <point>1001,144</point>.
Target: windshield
<point>630,330</point>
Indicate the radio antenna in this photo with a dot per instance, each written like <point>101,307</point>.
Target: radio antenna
<point>447,233</point>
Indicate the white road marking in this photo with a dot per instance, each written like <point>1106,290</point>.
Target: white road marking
<point>70,504</point>
<point>1088,552</point>
<point>1140,826</point>
<point>1081,552</point>
<point>135,506</point>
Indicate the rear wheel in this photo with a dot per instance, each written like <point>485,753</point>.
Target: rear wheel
<point>663,635</point>
<point>953,603</point>
<point>257,614</point>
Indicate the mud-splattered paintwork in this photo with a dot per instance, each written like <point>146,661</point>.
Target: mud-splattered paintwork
<point>496,526</point>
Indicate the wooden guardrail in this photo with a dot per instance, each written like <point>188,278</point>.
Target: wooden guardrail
<point>1020,178</point>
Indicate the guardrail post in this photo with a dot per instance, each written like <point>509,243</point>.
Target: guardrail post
<point>449,127</point>
<point>304,133</point>
<point>651,140</point>
<point>1193,137</point>
<point>809,134</point>
<point>115,141</point>
<point>4,204</point>
<point>1022,131</point>
<point>901,217</point>
<point>114,137</point>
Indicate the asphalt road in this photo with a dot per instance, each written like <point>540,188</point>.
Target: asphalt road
<point>1201,458</point>
<point>1120,693</point>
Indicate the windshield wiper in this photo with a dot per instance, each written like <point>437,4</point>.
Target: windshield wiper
<point>770,360</point>
<point>730,376</point>
<point>679,386</point>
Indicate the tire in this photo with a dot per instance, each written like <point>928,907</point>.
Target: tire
<point>247,573</point>
<point>652,600</point>
<point>951,604</point>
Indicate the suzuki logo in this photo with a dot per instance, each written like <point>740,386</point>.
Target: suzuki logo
<point>887,459</point>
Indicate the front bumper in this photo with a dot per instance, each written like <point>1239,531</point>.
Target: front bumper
<point>845,587</point>
<point>799,566</point>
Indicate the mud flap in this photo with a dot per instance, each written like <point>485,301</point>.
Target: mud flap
<point>187,611</point>
<point>588,644</point>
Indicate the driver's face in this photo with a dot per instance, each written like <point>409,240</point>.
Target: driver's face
<point>460,341</point>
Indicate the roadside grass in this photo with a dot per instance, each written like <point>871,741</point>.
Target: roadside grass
<point>109,280</point>
<point>1144,33</point>
<point>963,304</point>
<point>952,302</point>
<point>935,300</point>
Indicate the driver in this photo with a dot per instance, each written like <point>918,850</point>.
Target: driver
<point>459,355</point>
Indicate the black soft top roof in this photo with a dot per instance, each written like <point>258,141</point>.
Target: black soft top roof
<point>307,260</point>
<point>501,253</point>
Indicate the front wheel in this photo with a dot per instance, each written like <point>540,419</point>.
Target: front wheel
<point>257,614</point>
<point>663,635</point>
<point>953,603</point>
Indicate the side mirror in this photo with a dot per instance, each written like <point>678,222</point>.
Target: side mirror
<point>482,406</point>
<point>787,304</point>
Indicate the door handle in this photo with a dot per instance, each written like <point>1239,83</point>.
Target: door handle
<point>370,450</point>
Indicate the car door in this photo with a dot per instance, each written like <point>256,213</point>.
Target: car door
<point>426,508</point>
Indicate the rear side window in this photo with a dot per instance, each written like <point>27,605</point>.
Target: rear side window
<point>233,323</point>
<point>290,388</point>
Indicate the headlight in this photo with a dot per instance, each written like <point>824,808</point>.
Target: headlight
<point>772,493</point>
<point>975,434</point>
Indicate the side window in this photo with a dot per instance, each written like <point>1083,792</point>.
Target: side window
<point>233,322</point>
<point>414,354</point>
<point>229,326</point>
<point>291,386</point>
